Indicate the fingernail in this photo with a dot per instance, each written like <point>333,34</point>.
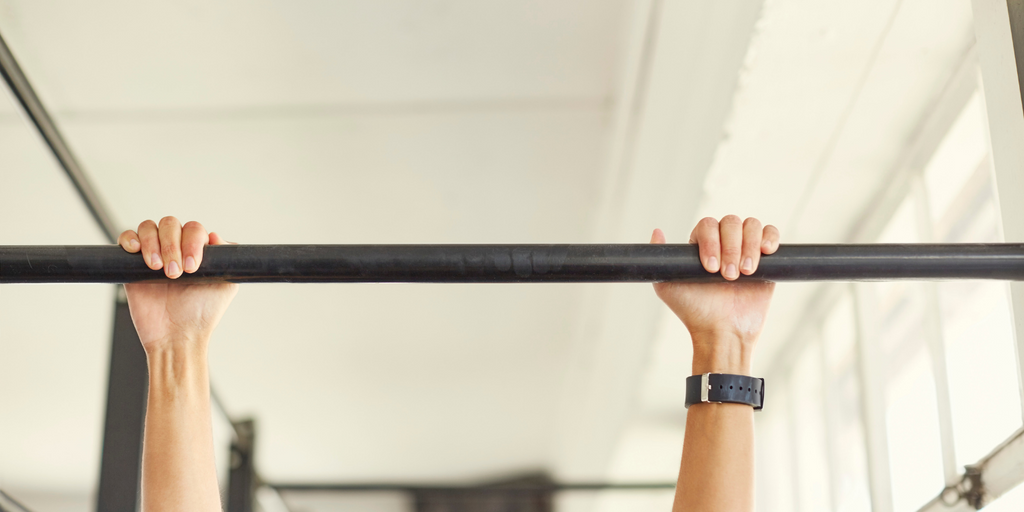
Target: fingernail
<point>133,244</point>
<point>712,264</point>
<point>730,271</point>
<point>155,258</point>
<point>172,268</point>
<point>190,264</point>
<point>748,265</point>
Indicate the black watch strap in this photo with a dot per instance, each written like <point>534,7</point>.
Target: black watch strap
<point>725,388</point>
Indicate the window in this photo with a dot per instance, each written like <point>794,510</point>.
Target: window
<point>942,353</point>
<point>976,315</point>
<point>850,491</point>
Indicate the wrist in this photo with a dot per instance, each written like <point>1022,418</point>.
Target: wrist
<point>722,353</point>
<point>178,365</point>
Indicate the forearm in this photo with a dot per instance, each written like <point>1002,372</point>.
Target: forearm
<point>717,470</point>
<point>178,469</point>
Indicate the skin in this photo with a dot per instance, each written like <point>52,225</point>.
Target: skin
<point>175,321</point>
<point>724,320</point>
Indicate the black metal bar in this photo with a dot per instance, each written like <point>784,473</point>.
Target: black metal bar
<point>413,488</point>
<point>242,479</point>
<point>22,89</point>
<point>513,263</point>
<point>127,388</point>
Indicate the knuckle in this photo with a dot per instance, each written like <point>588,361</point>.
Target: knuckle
<point>730,251</point>
<point>147,224</point>
<point>752,222</point>
<point>169,221</point>
<point>171,248</point>
<point>710,249</point>
<point>708,222</point>
<point>731,219</point>
<point>192,225</point>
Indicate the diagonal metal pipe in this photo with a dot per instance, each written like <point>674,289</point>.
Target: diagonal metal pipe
<point>33,107</point>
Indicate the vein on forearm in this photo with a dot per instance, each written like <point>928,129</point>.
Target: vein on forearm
<point>178,463</point>
<point>175,375</point>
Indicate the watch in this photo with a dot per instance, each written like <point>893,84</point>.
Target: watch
<point>725,388</point>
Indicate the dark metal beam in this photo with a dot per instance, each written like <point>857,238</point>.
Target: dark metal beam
<point>518,487</point>
<point>513,263</point>
<point>127,388</point>
<point>22,90</point>
<point>242,480</point>
<point>530,493</point>
<point>525,494</point>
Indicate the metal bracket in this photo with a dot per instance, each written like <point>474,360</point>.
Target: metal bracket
<point>972,489</point>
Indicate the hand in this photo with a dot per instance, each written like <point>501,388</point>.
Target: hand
<point>169,314</point>
<point>724,319</point>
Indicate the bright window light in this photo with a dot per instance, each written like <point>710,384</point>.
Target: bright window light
<point>776,481</point>
<point>956,158</point>
<point>984,396</point>
<point>976,315</point>
<point>809,425</point>
<point>850,491</point>
<point>912,422</point>
<point>913,428</point>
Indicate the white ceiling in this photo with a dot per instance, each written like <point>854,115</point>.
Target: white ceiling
<point>442,122</point>
<point>120,55</point>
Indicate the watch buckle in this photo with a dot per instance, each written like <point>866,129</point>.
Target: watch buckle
<point>705,386</point>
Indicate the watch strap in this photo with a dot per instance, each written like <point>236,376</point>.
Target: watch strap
<point>725,388</point>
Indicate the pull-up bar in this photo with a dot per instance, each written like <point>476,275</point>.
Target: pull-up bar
<point>512,263</point>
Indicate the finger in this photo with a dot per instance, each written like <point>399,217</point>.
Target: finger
<point>658,237</point>
<point>193,238</point>
<point>705,235</point>
<point>170,246</point>
<point>751,252</point>
<point>770,239</point>
<point>731,229</point>
<point>149,238</point>
<point>129,241</point>
<point>216,239</point>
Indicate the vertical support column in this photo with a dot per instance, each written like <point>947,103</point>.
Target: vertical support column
<point>872,380</point>
<point>532,493</point>
<point>794,441</point>
<point>242,480</point>
<point>127,389</point>
<point>999,30</point>
<point>828,409</point>
<point>935,341</point>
